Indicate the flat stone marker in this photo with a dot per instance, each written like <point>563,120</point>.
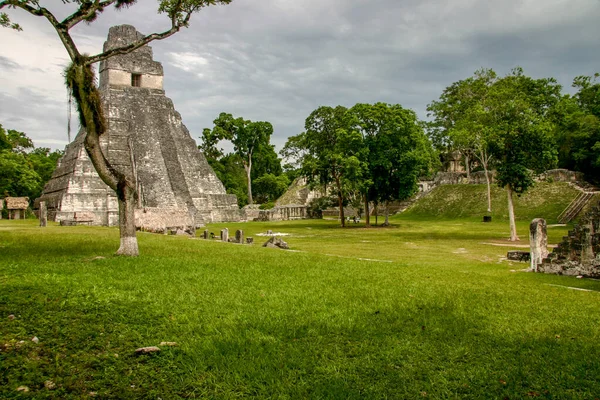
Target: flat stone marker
<point>538,242</point>
<point>147,350</point>
<point>239,236</point>
<point>518,255</point>
<point>225,235</point>
<point>43,214</point>
<point>276,243</point>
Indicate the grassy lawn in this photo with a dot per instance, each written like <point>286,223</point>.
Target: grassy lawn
<point>425,308</point>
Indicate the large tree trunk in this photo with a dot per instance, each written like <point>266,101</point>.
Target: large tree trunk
<point>248,169</point>
<point>367,212</point>
<point>80,79</point>
<point>127,202</point>
<point>511,215</point>
<point>387,213</point>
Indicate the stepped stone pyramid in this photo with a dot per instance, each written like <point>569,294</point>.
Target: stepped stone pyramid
<point>146,139</point>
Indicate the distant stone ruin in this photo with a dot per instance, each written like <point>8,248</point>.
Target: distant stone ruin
<point>293,204</point>
<point>579,253</point>
<point>147,140</point>
<point>17,207</point>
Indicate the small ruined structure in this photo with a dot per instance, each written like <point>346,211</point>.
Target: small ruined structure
<point>293,204</point>
<point>538,242</point>
<point>279,213</point>
<point>453,162</point>
<point>16,207</point>
<point>579,252</point>
<point>146,139</point>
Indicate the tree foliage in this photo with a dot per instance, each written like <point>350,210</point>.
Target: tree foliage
<point>370,153</point>
<point>578,131</point>
<point>330,152</point>
<point>254,158</point>
<point>462,120</point>
<point>24,169</point>
<point>397,150</point>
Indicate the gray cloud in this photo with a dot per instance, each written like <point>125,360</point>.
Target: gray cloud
<point>278,60</point>
<point>6,63</point>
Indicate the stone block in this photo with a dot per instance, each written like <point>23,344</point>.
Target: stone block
<point>518,255</point>
<point>277,243</point>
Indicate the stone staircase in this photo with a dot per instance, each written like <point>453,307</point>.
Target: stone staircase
<point>575,207</point>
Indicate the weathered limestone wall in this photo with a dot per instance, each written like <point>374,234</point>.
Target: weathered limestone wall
<point>579,252</point>
<point>561,175</point>
<point>298,194</point>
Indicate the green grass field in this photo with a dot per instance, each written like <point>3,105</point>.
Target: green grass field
<point>425,308</point>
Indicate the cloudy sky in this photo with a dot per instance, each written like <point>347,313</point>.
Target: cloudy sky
<point>277,60</point>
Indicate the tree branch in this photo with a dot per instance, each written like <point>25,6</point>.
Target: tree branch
<point>175,27</point>
<point>85,11</point>
<point>61,30</point>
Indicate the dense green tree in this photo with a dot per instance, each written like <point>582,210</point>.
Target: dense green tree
<point>330,152</point>
<point>23,168</point>
<point>522,132</point>
<point>269,187</point>
<point>18,176</point>
<point>247,137</point>
<point>462,117</point>
<point>398,152</point>
<point>210,140</point>
<point>43,161</point>
<point>266,162</point>
<point>14,141</point>
<point>80,79</point>
<point>230,170</point>
<point>578,132</point>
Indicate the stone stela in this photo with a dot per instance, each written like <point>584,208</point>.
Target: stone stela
<point>538,242</point>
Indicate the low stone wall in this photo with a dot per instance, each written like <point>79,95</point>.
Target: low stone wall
<point>252,211</point>
<point>159,220</point>
<point>280,213</point>
<point>561,175</point>
<point>579,253</point>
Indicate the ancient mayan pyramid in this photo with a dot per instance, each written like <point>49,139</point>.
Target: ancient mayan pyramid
<point>147,139</point>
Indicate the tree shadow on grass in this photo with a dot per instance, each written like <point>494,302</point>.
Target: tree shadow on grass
<point>423,349</point>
